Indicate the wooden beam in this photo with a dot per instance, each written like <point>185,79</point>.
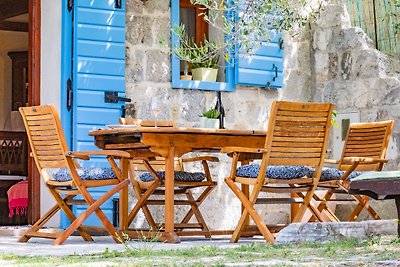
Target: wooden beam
<point>13,26</point>
<point>9,9</point>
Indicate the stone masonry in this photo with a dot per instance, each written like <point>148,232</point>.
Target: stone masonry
<point>332,62</point>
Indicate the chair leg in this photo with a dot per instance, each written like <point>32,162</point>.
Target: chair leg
<point>306,204</point>
<point>39,224</point>
<point>199,200</point>
<point>196,211</point>
<point>70,215</point>
<point>324,207</point>
<point>362,203</point>
<point>145,209</point>
<point>94,207</point>
<point>248,209</point>
<point>144,197</point>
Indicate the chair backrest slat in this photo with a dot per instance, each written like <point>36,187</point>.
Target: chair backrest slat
<point>45,136</point>
<point>367,140</point>
<point>298,133</point>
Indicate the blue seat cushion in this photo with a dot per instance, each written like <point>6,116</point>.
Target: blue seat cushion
<point>273,172</point>
<point>63,175</point>
<point>330,174</point>
<point>180,176</point>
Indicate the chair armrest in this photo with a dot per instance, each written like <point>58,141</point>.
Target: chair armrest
<point>206,158</point>
<point>242,150</point>
<point>86,155</point>
<point>363,160</point>
<point>331,161</point>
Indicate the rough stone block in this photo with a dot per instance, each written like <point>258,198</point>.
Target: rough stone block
<point>162,31</point>
<point>156,6</point>
<point>321,64</point>
<point>371,63</point>
<point>386,91</point>
<point>322,39</point>
<point>134,66</point>
<point>134,6</point>
<point>192,104</point>
<point>158,66</point>
<point>353,38</point>
<point>346,65</point>
<point>139,30</point>
<point>334,231</point>
<point>334,16</point>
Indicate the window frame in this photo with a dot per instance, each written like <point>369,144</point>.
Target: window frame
<point>228,86</point>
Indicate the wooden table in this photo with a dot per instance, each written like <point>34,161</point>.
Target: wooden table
<point>169,143</point>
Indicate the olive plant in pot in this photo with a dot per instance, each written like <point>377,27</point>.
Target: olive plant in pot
<point>203,57</point>
<point>210,119</point>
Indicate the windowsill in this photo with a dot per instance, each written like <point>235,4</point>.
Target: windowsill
<point>201,85</point>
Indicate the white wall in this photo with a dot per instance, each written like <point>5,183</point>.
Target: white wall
<point>9,41</point>
<point>50,78</point>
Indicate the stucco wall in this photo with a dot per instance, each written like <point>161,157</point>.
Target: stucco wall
<point>50,81</point>
<point>329,62</point>
<point>10,41</point>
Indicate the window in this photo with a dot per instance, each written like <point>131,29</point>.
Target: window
<point>264,69</point>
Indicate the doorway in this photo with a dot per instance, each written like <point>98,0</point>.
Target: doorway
<point>19,86</point>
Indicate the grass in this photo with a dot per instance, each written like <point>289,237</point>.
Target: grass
<point>349,252</point>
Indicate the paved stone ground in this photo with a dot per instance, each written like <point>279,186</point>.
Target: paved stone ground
<point>295,233</point>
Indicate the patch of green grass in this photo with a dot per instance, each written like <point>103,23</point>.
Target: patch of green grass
<point>353,252</point>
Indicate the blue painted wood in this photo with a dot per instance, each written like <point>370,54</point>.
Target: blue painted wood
<point>66,71</point>
<point>101,66</point>
<point>259,69</point>
<point>100,17</point>
<point>261,78</point>
<point>100,82</point>
<point>101,49</point>
<point>98,66</point>
<point>103,4</point>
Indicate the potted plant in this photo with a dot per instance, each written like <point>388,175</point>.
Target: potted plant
<point>203,57</point>
<point>210,119</point>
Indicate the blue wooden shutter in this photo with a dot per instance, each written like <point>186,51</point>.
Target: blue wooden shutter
<point>98,65</point>
<point>264,68</point>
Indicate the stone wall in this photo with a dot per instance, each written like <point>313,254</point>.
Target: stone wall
<point>330,62</point>
<point>351,73</point>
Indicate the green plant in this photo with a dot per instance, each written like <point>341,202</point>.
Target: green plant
<point>204,55</point>
<point>212,113</point>
<point>249,23</point>
<point>333,120</point>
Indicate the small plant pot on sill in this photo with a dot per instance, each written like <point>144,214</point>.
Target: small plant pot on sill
<point>205,74</point>
<point>209,123</point>
<point>186,77</point>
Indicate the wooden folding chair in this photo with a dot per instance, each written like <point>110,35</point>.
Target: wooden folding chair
<point>150,183</point>
<point>297,137</point>
<point>364,149</point>
<point>65,179</point>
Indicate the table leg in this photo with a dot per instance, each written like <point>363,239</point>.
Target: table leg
<point>123,198</point>
<point>169,234</point>
<point>397,199</point>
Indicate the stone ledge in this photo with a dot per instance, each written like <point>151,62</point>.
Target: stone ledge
<point>334,231</point>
